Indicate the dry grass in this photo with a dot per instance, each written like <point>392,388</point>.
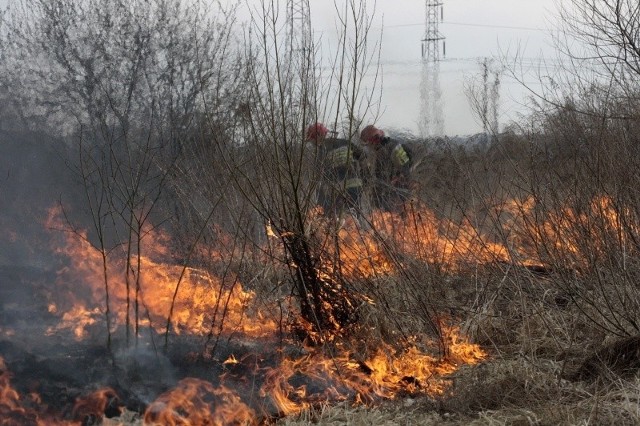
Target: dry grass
<point>499,392</point>
<point>407,412</point>
<point>537,343</point>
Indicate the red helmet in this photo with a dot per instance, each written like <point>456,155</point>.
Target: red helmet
<point>316,132</point>
<point>372,135</point>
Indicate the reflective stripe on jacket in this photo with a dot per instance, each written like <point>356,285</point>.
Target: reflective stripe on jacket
<point>399,156</point>
<point>340,157</point>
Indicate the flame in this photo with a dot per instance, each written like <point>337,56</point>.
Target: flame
<point>194,305</point>
<point>354,252</point>
<point>460,350</point>
<point>15,412</point>
<point>231,360</point>
<point>330,373</point>
<point>10,405</point>
<point>361,255</point>
<point>78,318</point>
<point>95,405</point>
<point>363,251</point>
<point>576,236</point>
<point>321,374</point>
<point>386,374</point>
<point>296,382</point>
<point>419,233</point>
<point>196,402</point>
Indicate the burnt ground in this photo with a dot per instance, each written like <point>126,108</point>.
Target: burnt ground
<point>62,370</point>
<point>35,176</point>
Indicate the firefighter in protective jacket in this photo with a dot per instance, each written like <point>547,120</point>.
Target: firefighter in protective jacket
<point>391,170</point>
<point>339,162</point>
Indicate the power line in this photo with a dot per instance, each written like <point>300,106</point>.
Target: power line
<point>539,62</point>
<point>469,24</point>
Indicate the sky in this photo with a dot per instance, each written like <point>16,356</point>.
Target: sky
<point>473,30</point>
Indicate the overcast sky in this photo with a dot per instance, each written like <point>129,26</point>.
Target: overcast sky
<point>473,29</point>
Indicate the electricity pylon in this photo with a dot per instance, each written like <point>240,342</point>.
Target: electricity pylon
<point>431,115</point>
<point>298,24</point>
<point>300,48</point>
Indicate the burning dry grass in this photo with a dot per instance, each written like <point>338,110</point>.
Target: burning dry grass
<point>503,391</point>
<point>198,402</point>
<point>186,299</point>
<point>516,398</point>
<point>359,366</point>
<point>432,287</point>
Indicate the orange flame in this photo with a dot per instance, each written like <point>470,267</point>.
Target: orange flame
<point>198,291</point>
<point>76,319</point>
<point>364,251</point>
<point>422,235</point>
<point>386,374</point>
<point>94,405</point>
<point>196,402</point>
<point>15,412</point>
<point>10,405</point>
<point>360,253</point>
<point>295,383</point>
<point>576,236</point>
<point>298,383</point>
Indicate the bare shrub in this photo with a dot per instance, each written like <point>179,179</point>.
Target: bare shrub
<point>122,81</point>
<point>269,164</point>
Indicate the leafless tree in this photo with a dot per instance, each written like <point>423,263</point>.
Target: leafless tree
<point>583,134</point>
<point>125,80</point>
<point>607,34</point>
<point>271,165</point>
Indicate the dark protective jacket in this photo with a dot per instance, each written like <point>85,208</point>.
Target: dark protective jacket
<point>392,174</point>
<point>341,186</point>
<point>341,162</point>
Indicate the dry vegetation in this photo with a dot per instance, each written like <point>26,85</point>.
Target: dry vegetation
<point>535,249</point>
<point>562,331</point>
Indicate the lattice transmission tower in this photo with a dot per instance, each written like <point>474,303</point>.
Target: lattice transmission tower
<point>300,53</point>
<point>431,111</point>
<point>298,24</point>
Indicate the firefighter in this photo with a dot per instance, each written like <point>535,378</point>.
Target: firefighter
<point>338,161</point>
<point>391,170</point>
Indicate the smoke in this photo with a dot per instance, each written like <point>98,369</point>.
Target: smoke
<point>34,176</point>
<point>144,373</point>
